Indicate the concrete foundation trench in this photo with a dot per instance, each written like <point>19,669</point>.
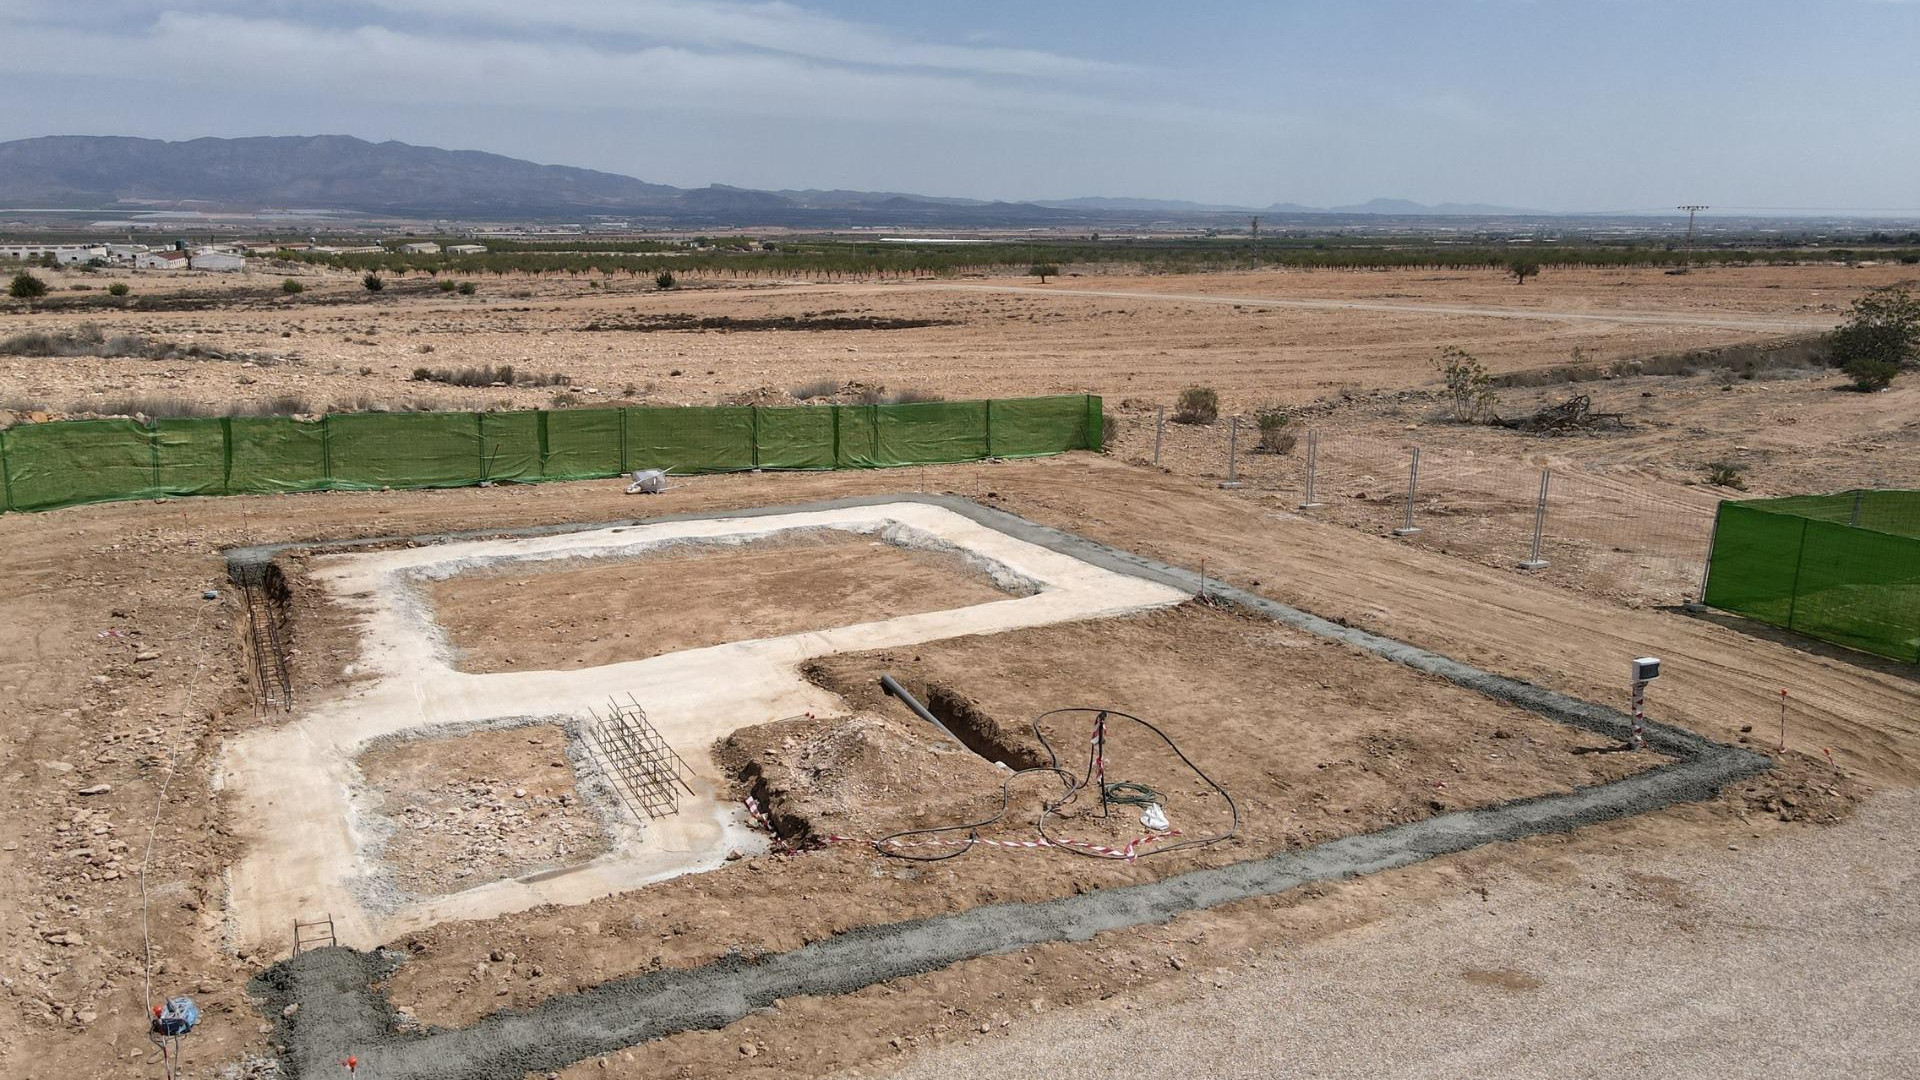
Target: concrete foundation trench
<point>341,1013</point>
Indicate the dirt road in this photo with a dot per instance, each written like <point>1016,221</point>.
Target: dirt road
<point>1641,318</point>
<point>1793,960</point>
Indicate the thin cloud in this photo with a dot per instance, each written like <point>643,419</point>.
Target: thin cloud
<point>381,63</point>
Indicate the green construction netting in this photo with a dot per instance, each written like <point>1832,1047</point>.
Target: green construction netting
<point>583,444</point>
<point>510,446</point>
<point>271,453</point>
<point>718,439</point>
<point>80,461</point>
<point>403,450</point>
<point>43,466</point>
<point>1803,564</point>
<point>796,438</point>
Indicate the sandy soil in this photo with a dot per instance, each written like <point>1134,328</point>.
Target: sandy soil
<point>90,590</point>
<point>1701,967</point>
<point>586,613</point>
<point>468,809</point>
<point>1313,740</point>
<point>337,344</point>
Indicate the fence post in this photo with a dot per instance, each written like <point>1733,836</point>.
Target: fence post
<point>1313,463</point>
<point>326,450</point>
<point>1233,455</point>
<point>1159,428</point>
<point>1799,560</point>
<point>1534,561</point>
<point>153,455</point>
<point>6,475</point>
<point>1413,489</point>
<point>1699,603</point>
<point>226,455</point>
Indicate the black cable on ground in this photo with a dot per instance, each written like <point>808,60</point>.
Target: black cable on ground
<point>1125,792</point>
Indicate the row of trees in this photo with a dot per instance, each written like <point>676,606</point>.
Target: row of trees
<point>863,260</point>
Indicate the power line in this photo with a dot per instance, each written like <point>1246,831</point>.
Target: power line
<point>1691,210</point>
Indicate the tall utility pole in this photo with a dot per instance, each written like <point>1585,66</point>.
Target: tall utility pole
<point>1691,210</point>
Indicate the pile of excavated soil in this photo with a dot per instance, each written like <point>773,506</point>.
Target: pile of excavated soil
<point>468,809</point>
<point>857,776</point>
<point>590,612</point>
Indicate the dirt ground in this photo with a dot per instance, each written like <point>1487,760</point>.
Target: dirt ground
<point>118,682</point>
<point>585,613</point>
<point>464,810</point>
<point>1313,740</point>
<point>140,569</point>
<point>337,344</point>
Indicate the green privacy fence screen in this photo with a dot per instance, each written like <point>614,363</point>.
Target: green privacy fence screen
<point>1844,568</point>
<point>44,466</point>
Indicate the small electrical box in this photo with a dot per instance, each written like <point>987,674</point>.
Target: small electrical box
<point>1646,669</point>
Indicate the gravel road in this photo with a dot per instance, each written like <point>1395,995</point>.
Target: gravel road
<point>1799,957</point>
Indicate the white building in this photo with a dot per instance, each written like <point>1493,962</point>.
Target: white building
<point>209,259</point>
<point>63,255</point>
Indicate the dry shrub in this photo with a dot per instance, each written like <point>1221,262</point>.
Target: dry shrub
<point>1198,405</point>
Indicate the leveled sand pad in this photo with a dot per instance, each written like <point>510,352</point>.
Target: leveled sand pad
<point>309,852</point>
<point>594,611</point>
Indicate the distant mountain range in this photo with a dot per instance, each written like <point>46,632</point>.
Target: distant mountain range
<point>1386,207</point>
<point>341,173</point>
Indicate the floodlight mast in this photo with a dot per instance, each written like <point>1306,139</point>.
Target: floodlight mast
<point>1691,210</point>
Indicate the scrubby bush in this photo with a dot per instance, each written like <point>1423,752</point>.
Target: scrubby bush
<point>291,286</point>
<point>1727,474</point>
<point>26,287</point>
<point>1880,336</point>
<point>1198,405</point>
<point>817,388</point>
<point>488,375</point>
<point>1469,387</point>
<point>1274,436</point>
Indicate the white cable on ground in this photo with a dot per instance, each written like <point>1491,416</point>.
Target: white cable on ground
<point>146,863</point>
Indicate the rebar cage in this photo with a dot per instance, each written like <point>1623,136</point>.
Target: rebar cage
<point>648,775</point>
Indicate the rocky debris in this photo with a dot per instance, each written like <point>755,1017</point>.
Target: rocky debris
<point>468,831</point>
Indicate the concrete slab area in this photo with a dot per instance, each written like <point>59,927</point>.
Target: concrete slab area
<point>290,786</point>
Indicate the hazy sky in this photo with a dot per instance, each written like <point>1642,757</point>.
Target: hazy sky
<point>1551,104</point>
